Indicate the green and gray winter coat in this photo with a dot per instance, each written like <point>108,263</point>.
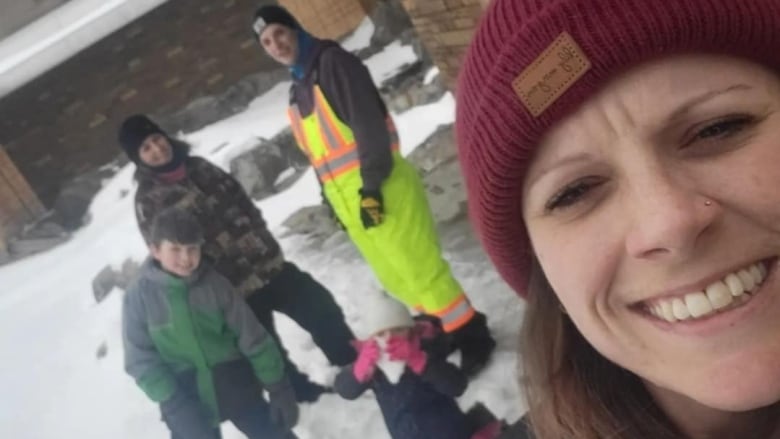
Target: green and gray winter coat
<point>176,327</point>
<point>237,243</point>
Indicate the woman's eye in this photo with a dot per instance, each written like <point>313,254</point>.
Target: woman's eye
<point>723,128</point>
<point>572,193</point>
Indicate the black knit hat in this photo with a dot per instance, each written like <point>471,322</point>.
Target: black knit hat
<point>134,130</point>
<point>273,14</point>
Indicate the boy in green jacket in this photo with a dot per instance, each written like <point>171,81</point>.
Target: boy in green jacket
<point>193,346</point>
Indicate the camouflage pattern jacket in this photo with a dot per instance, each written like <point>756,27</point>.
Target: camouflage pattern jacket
<point>237,241</point>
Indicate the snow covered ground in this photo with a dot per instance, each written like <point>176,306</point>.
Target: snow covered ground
<point>54,386</point>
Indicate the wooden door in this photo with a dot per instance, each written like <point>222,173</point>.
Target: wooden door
<point>18,202</point>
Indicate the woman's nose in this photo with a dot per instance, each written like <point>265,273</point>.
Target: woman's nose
<point>668,219</point>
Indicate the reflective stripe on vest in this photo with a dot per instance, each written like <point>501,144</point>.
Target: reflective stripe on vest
<point>456,314</point>
<point>328,142</point>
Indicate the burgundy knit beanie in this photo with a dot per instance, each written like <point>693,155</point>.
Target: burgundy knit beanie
<point>533,62</point>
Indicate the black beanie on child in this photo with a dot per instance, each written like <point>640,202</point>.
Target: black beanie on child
<point>273,14</point>
<point>134,130</point>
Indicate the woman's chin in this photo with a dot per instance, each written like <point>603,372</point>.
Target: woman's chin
<point>754,385</point>
<point>744,398</point>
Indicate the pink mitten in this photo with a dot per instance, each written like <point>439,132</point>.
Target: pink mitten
<point>368,355</point>
<point>407,349</point>
<point>399,347</point>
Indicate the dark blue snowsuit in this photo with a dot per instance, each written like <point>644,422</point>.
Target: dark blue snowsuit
<point>418,407</point>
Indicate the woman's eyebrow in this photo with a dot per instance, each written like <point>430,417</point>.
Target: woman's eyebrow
<point>692,103</point>
<point>563,161</point>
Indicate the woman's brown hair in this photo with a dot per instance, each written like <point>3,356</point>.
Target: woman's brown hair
<point>573,391</point>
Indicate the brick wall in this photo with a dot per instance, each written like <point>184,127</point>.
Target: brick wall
<point>329,19</point>
<point>445,27</point>
<point>64,122</point>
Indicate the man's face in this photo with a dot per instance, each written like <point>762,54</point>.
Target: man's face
<point>280,43</point>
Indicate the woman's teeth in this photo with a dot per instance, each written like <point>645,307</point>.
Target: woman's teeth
<point>727,293</point>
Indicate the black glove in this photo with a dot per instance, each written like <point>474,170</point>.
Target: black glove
<point>475,343</point>
<point>187,416</point>
<point>372,209</point>
<point>284,406</point>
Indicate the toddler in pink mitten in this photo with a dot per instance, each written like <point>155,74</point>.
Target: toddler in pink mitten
<point>416,391</point>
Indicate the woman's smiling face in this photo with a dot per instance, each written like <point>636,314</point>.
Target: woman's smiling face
<point>654,212</point>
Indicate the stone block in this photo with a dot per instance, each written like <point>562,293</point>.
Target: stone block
<point>127,95</point>
<point>103,283</point>
<point>465,23</point>
<point>172,82</point>
<point>74,107</point>
<point>134,63</point>
<point>21,248</point>
<point>466,12</point>
<point>215,78</point>
<point>207,64</point>
<point>97,120</point>
<point>424,7</point>
<point>174,52</point>
<point>455,38</point>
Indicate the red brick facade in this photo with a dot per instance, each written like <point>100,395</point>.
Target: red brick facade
<point>64,122</point>
<point>445,28</point>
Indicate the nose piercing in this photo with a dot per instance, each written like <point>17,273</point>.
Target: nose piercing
<point>708,203</point>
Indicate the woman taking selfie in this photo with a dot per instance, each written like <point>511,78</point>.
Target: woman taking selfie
<point>621,158</point>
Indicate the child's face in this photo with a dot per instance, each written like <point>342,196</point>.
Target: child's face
<point>393,332</point>
<point>175,258</point>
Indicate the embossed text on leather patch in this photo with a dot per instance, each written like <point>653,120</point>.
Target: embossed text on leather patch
<point>551,74</point>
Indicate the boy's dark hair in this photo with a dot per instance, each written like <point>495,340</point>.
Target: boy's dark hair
<point>176,225</point>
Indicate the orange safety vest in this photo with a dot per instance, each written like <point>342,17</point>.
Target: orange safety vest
<point>327,141</point>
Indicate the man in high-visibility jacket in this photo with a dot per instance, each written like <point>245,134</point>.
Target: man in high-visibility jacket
<point>341,123</point>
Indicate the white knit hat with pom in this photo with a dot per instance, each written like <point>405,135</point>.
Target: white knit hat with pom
<point>381,312</point>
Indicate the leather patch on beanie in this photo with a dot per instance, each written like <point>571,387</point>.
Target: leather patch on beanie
<point>551,74</point>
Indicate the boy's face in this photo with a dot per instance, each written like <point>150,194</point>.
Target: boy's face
<point>175,258</point>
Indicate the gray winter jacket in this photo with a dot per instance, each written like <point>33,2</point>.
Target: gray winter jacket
<point>196,332</point>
